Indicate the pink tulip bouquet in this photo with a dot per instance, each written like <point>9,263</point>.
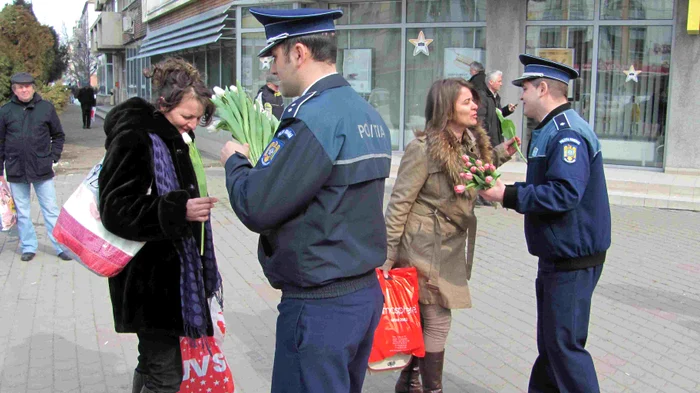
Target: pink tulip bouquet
<point>477,174</point>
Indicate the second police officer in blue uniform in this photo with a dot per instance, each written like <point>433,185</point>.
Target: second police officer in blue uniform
<point>567,225</point>
<point>316,198</point>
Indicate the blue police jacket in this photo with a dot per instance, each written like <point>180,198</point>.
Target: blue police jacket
<point>564,197</point>
<point>316,194</point>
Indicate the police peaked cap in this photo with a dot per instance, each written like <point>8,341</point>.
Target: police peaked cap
<point>282,24</point>
<point>537,67</point>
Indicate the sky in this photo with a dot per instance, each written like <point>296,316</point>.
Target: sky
<point>56,12</point>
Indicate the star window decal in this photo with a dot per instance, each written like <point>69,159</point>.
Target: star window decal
<point>421,44</point>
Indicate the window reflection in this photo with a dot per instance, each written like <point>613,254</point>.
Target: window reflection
<point>367,59</point>
<point>446,10</point>
<point>560,9</point>
<point>632,93</point>
<point>450,54</point>
<point>569,45</point>
<point>369,12</point>
<point>253,71</point>
<point>636,9</point>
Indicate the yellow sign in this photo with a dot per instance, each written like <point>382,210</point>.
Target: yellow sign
<point>560,55</point>
<point>693,17</point>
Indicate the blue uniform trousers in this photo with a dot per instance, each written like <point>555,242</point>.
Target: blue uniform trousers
<point>563,312</point>
<point>323,344</point>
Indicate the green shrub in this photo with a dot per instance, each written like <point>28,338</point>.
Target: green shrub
<point>58,95</point>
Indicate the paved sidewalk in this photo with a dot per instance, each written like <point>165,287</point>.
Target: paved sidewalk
<point>57,335</point>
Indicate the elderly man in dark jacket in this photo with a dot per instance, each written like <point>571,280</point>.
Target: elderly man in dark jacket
<point>490,102</point>
<point>31,141</point>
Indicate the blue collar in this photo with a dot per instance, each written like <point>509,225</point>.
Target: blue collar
<point>329,82</point>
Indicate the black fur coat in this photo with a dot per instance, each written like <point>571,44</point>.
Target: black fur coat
<point>146,294</point>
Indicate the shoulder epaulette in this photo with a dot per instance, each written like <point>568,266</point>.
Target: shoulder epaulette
<point>293,108</point>
<point>561,121</point>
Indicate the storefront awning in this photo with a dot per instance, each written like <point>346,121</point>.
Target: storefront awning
<point>199,30</point>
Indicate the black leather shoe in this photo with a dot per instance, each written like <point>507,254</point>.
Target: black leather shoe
<point>27,256</point>
<point>65,256</point>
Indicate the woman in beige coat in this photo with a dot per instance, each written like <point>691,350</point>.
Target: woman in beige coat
<point>430,226</point>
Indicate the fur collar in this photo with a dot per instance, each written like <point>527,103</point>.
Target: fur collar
<point>444,149</point>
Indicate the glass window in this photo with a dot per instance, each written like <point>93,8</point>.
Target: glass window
<point>560,10</point>
<point>450,53</point>
<point>369,12</point>
<point>109,72</point>
<point>145,81</point>
<point>199,60</point>
<point>632,93</point>
<point>635,9</point>
<point>213,67</point>
<point>569,45</point>
<point>142,81</point>
<point>253,69</point>
<point>366,58</point>
<point>101,77</point>
<point>248,21</point>
<point>228,64</point>
<point>446,10</point>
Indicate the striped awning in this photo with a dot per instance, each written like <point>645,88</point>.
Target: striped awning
<point>203,29</point>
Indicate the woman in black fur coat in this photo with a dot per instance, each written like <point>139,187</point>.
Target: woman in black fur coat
<point>149,191</point>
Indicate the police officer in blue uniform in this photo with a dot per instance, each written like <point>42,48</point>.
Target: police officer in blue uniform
<point>316,198</point>
<point>567,225</point>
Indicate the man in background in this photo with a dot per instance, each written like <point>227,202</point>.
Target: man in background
<point>270,97</point>
<point>86,96</point>
<point>490,103</point>
<point>478,78</point>
<point>31,141</point>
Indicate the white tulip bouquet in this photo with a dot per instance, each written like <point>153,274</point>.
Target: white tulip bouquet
<point>246,120</point>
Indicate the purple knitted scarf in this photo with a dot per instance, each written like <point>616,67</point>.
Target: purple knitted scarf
<point>199,275</point>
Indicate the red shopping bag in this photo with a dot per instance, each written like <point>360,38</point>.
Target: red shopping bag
<point>399,330</point>
<point>205,371</point>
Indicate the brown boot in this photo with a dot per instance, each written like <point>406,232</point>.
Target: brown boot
<point>431,371</point>
<point>409,379</point>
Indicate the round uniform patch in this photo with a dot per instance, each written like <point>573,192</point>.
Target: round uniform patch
<point>570,154</point>
<point>271,151</point>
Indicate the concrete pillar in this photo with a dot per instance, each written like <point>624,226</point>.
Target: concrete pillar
<point>505,40</point>
<point>682,136</point>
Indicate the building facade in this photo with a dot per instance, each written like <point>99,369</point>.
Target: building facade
<point>636,59</point>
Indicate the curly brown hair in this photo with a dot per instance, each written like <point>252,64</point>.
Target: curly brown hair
<point>173,79</point>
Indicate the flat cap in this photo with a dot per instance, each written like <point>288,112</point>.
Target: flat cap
<point>22,77</point>
<point>282,24</point>
<point>537,67</point>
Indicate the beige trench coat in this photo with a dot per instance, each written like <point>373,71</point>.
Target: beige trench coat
<point>429,226</point>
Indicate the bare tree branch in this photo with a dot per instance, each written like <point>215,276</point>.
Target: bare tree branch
<point>81,64</point>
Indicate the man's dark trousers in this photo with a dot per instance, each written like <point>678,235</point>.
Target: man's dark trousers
<point>87,111</point>
<point>563,313</point>
<point>323,344</point>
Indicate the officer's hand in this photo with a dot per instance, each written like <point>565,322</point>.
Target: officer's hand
<point>511,107</point>
<point>198,209</point>
<point>386,267</point>
<point>231,148</point>
<point>510,145</point>
<point>495,193</point>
